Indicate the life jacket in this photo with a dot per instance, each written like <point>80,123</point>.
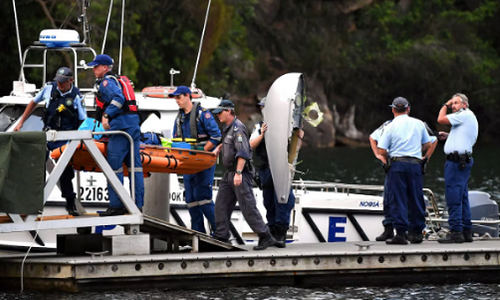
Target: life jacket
<point>194,118</point>
<point>125,85</point>
<point>60,114</point>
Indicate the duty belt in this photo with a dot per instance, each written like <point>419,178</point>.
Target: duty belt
<point>407,159</point>
<point>455,157</point>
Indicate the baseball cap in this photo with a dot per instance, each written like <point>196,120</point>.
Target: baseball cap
<point>262,102</point>
<point>400,102</point>
<point>101,59</point>
<point>63,75</point>
<point>180,90</point>
<point>223,105</point>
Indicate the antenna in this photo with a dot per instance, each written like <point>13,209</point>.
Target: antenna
<point>83,18</point>
<point>121,39</point>
<point>18,41</point>
<point>107,27</point>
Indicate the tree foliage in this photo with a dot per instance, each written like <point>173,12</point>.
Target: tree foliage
<point>424,50</point>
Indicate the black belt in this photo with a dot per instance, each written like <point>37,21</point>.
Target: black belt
<point>455,157</point>
<point>407,159</point>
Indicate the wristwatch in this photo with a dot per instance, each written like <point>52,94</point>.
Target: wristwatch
<point>446,105</point>
<point>238,172</point>
<point>106,115</point>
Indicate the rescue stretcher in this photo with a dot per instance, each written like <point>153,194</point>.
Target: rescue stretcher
<point>155,159</point>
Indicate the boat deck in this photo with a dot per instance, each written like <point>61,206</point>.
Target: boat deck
<point>320,264</point>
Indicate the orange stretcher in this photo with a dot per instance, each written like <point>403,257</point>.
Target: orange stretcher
<point>155,159</point>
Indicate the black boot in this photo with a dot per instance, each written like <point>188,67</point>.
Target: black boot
<point>452,237</point>
<point>415,237</point>
<point>71,208</point>
<point>114,211</point>
<point>387,234</point>
<point>398,239</point>
<point>265,240</point>
<point>280,235</point>
<point>468,236</point>
<point>272,229</point>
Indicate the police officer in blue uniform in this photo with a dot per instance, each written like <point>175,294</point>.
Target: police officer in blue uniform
<point>117,117</point>
<point>405,138</point>
<point>374,138</point>
<point>458,150</point>
<point>236,183</point>
<point>64,110</point>
<point>387,222</point>
<point>278,214</point>
<point>195,122</point>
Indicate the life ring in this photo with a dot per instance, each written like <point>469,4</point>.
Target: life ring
<point>164,91</point>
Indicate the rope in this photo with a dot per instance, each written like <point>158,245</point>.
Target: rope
<point>62,24</point>
<point>193,85</point>
<point>27,253</point>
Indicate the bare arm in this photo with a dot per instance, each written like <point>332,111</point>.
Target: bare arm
<point>442,118</point>
<point>208,146</point>
<point>217,150</point>
<point>238,178</point>
<point>431,149</point>
<point>27,113</point>
<point>373,145</point>
<point>426,146</point>
<point>256,141</point>
<point>383,154</point>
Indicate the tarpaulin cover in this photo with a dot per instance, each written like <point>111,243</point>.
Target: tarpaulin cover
<point>22,172</point>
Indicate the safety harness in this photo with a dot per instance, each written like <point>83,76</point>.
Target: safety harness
<point>193,124</point>
<point>125,85</point>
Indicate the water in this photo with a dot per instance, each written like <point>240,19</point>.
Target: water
<point>359,165</point>
<point>346,165</point>
<point>473,291</point>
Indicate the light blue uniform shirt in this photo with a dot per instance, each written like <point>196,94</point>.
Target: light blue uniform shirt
<point>404,136</point>
<point>377,133</point>
<point>463,134</point>
<point>45,95</point>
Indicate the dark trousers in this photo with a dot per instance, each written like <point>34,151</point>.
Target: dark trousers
<point>118,153</point>
<point>198,189</point>
<point>277,213</point>
<point>227,196</point>
<point>388,220</point>
<point>405,184</point>
<point>457,195</point>
<point>67,176</point>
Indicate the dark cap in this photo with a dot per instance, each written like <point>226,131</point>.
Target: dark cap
<point>262,102</point>
<point>180,90</point>
<point>400,102</point>
<point>223,105</point>
<point>101,59</point>
<point>63,75</point>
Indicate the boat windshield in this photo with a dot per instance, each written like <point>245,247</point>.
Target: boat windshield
<point>10,114</point>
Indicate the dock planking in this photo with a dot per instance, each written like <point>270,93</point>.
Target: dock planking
<point>319,264</point>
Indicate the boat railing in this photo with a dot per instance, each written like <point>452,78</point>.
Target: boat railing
<point>74,48</point>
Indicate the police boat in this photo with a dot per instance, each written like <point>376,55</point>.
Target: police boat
<point>323,212</point>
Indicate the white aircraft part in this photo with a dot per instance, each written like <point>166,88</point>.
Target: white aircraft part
<point>278,114</point>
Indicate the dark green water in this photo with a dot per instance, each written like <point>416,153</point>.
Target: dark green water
<point>358,165</point>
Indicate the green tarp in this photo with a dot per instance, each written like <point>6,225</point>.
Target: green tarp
<point>22,172</point>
